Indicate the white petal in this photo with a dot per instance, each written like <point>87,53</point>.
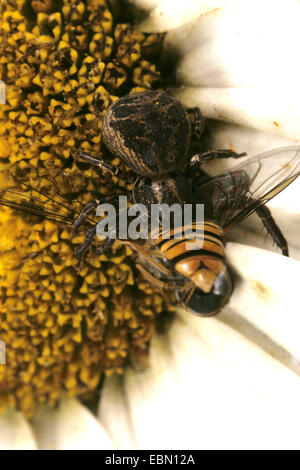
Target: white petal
<point>145,5</point>
<point>267,109</point>
<point>213,383</point>
<point>209,387</point>
<point>15,432</point>
<point>69,427</point>
<point>257,143</point>
<point>114,414</point>
<point>172,13</point>
<point>266,296</point>
<point>250,232</point>
<point>285,206</point>
<point>242,44</point>
<point>253,142</point>
<point>243,139</point>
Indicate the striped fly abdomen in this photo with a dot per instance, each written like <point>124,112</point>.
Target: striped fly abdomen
<point>197,254</point>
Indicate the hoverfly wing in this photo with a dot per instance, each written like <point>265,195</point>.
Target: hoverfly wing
<point>34,209</point>
<point>231,197</point>
<point>45,193</point>
<point>253,204</point>
<point>223,195</point>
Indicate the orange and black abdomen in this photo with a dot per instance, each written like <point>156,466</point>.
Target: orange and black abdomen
<point>204,253</point>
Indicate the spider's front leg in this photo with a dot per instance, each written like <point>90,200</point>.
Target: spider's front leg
<point>90,207</point>
<point>103,165</point>
<point>197,122</point>
<point>91,233</point>
<point>197,160</point>
<point>85,213</point>
<point>88,158</point>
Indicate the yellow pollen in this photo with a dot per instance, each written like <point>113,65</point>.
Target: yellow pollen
<point>65,324</point>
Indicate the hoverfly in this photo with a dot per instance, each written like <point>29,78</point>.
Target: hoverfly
<point>228,199</point>
<point>199,277</point>
<point>151,133</point>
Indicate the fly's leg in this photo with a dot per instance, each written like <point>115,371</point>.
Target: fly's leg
<point>184,296</point>
<point>153,279</point>
<point>199,158</point>
<point>157,266</point>
<point>272,228</point>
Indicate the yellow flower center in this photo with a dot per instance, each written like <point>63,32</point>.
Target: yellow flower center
<point>65,324</point>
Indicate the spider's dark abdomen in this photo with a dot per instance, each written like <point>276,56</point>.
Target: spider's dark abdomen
<point>150,131</point>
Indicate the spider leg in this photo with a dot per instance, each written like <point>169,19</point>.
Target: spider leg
<point>89,237</point>
<point>199,158</point>
<point>197,121</point>
<point>273,230</point>
<point>87,157</point>
<point>90,207</point>
<point>104,247</point>
<point>85,213</point>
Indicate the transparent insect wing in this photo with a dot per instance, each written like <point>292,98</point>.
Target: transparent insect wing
<point>223,195</point>
<point>270,169</point>
<point>47,193</point>
<point>232,196</point>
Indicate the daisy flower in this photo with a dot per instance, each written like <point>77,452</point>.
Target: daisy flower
<point>225,382</point>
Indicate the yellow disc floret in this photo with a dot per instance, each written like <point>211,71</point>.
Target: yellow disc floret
<point>65,323</point>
